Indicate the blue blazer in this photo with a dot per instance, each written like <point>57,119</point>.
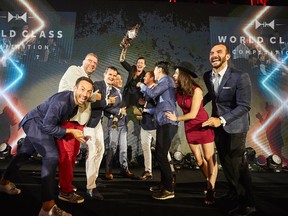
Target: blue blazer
<point>114,109</point>
<point>233,101</point>
<point>51,113</point>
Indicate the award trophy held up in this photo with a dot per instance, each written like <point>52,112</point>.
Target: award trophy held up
<point>130,35</point>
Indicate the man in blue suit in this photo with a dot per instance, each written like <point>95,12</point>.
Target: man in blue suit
<point>230,93</point>
<point>42,125</point>
<point>117,130</point>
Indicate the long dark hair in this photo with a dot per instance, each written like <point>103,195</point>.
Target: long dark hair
<point>186,83</point>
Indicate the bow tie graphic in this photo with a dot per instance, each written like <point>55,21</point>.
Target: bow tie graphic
<point>265,24</point>
<point>17,17</point>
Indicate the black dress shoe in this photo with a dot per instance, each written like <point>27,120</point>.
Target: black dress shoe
<point>95,194</point>
<point>242,211</point>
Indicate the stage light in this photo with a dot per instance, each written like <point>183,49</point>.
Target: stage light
<point>5,151</point>
<point>190,161</point>
<point>178,160</point>
<point>274,162</point>
<point>178,156</point>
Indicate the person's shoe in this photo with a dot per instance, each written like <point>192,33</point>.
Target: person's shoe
<point>109,176</point>
<point>10,189</point>
<point>146,176</point>
<point>95,194</point>
<point>242,211</point>
<point>164,195</point>
<point>54,211</point>
<point>210,197</point>
<point>71,197</point>
<point>156,188</point>
<point>126,173</point>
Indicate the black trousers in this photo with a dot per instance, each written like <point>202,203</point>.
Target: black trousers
<point>231,152</point>
<point>164,136</point>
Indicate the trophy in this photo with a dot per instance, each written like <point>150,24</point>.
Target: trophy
<point>130,35</point>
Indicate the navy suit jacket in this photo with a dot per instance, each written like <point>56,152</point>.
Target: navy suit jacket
<point>98,106</point>
<point>114,109</point>
<point>51,113</point>
<point>233,101</point>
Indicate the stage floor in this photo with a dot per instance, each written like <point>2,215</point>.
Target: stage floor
<point>123,196</point>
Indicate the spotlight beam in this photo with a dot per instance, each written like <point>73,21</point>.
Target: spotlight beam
<point>8,54</point>
<point>264,82</point>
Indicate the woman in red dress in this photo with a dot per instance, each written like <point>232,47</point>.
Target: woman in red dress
<point>200,139</point>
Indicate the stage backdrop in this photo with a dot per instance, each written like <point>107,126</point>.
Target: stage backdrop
<point>31,67</point>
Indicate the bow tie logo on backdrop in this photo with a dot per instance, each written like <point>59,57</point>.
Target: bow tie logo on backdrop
<point>216,78</point>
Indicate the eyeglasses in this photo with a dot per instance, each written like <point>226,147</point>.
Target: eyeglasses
<point>91,61</point>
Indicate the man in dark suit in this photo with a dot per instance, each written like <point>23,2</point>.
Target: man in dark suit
<point>42,126</point>
<point>230,93</point>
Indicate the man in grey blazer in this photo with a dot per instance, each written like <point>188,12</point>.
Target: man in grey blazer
<point>229,90</point>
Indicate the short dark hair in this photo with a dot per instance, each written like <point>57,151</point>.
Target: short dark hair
<point>141,57</point>
<point>164,65</point>
<point>85,79</point>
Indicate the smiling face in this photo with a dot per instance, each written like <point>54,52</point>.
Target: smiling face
<point>118,81</point>
<point>110,75</point>
<point>82,92</point>
<point>90,64</point>
<point>149,78</point>
<point>140,64</point>
<point>219,57</point>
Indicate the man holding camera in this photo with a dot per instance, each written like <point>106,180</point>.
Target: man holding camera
<point>117,130</point>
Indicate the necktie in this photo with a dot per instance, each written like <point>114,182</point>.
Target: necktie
<point>108,92</point>
<point>216,82</point>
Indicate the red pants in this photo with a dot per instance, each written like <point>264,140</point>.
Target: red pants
<point>68,150</point>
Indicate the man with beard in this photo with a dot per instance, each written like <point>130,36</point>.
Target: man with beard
<point>230,93</point>
<point>42,126</point>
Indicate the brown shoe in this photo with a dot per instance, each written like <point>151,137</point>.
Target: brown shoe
<point>146,176</point>
<point>163,195</point>
<point>109,176</point>
<point>127,173</point>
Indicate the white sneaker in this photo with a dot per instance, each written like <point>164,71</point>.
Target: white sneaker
<point>54,211</point>
<point>10,189</point>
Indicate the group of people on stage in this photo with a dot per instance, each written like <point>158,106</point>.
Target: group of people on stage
<point>57,127</point>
